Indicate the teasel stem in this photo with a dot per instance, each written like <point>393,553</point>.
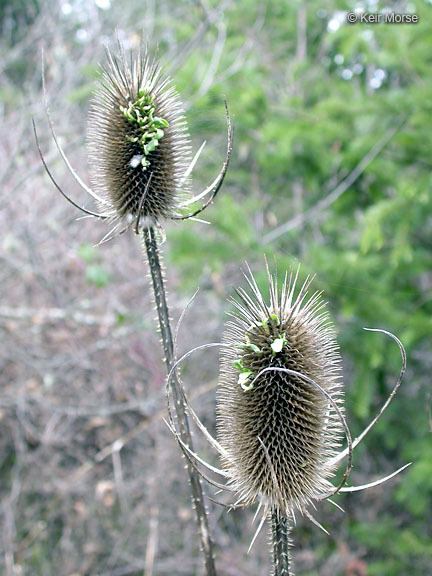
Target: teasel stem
<point>152,250</point>
<point>281,529</point>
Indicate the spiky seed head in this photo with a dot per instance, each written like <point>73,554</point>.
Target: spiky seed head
<point>138,142</point>
<point>279,431</point>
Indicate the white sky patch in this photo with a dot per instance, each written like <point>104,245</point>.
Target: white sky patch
<point>81,35</point>
<point>339,59</point>
<point>347,74</point>
<point>333,25</point>
<point>66,8</point>
<point>103,4</point>
<point>335,22</point>
<point>380,74</point>
<point>372,5</point>
<point>367,35</point>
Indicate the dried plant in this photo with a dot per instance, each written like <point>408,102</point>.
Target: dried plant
<point>138,140</point>
<point>280,408</point>
<point>140,166</point>
<point>279,417</point>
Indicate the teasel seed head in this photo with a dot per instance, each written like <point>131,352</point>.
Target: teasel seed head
<point>278,430</point>
<point>138,142</point>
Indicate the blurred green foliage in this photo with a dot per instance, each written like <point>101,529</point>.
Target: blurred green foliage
<point>96,274</point>
<point>305,118</point>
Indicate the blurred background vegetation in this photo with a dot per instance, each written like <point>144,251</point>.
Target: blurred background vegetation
<point>331,169</point>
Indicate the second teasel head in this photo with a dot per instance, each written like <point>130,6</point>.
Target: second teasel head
<point>138,142</point>
<point>279,431</point>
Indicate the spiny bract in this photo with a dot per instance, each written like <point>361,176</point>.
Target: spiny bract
<point>139,146</point>
<point>279,431</point>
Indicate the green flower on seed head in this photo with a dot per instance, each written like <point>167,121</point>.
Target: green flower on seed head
<point>243,380</point>
<point>278,344</point>
<point>248,346</point>
<point>244,376</point>
<point>149,128</point>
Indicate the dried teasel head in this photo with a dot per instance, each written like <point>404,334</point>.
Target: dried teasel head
<point>139,149</point>
<point>280,409</point>
<point>137,140</point>
<point>280,397</point>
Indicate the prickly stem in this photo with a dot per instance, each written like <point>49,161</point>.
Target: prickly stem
<point>280,533</point>
<point>152,251</point>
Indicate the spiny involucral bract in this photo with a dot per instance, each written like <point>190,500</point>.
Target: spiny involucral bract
<point>279,432</point>
<point>139,146</point>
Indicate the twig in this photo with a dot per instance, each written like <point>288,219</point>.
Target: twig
<point>179,56</point>
<point>107,451</point>
<point>118,477</point>
<point>214,62</point>
<point>248,46</point>
<point>428,411</point>
<point>153,537</point>
<point>46,315</point>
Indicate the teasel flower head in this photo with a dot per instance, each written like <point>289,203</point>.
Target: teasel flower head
<point>280,413</point>
<point>279,429</point>
<point>139,149</point>
<point>138,140</point>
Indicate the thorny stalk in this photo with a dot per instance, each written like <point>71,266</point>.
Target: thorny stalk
<point>280,535</point>
<point>152,250</point>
